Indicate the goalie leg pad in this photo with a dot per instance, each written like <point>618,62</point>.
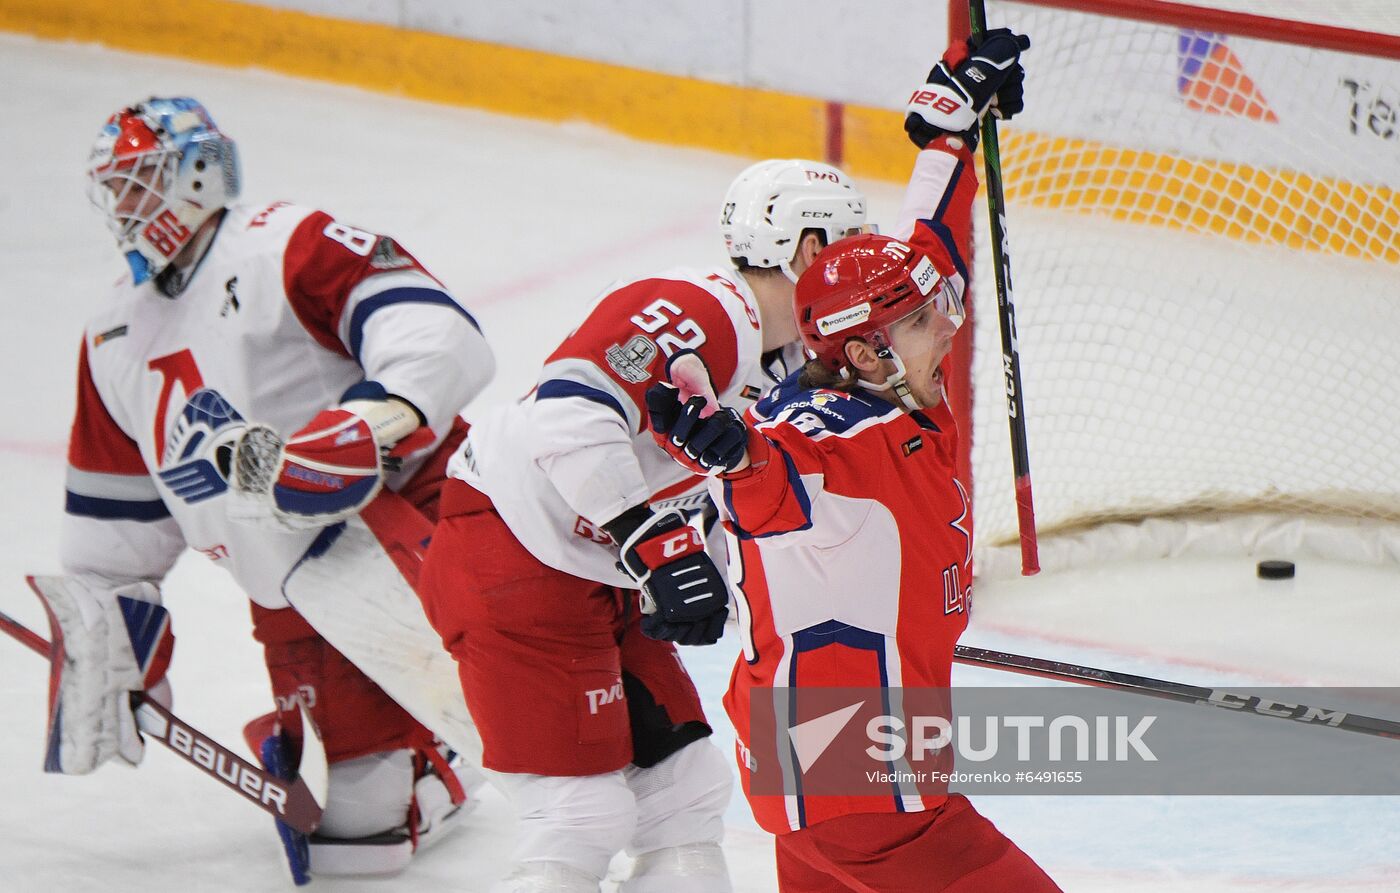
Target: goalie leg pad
<point>398,791</point>
<point>364,795</point>
<point>364,830</point>
<point>368,795</point>
<point>354,715</point>
<point>355,595</point>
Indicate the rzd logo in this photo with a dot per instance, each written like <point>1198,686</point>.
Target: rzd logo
<point>601,697</point>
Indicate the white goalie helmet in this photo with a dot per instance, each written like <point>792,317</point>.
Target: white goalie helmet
<point>772,202</point>
<point>158,170</point>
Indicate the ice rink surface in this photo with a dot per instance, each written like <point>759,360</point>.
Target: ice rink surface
<point>526,222</point>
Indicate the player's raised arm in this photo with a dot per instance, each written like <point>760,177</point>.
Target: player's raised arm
<point>983,75</point>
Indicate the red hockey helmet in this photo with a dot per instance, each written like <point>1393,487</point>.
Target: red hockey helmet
<point>859,287</point>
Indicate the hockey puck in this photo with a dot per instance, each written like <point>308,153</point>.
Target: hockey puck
<point>1275,570</point>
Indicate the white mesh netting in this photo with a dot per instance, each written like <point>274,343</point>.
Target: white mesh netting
<point>1205,242</point>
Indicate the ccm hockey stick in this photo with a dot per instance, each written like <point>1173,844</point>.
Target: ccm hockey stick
<point>1176,691</point>
<point>1006,311</point>
<point>298,803</point>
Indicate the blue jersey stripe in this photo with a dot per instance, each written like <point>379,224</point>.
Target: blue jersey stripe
<point>367,308</point>
<point>556,388</point>
<point>115,509</point>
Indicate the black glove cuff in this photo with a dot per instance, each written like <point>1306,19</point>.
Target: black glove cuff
<point>624,525</point>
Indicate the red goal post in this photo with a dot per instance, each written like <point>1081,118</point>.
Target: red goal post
<point>1204,213</point>
<point>1241,24</point>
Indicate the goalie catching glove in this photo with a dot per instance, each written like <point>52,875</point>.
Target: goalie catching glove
<point>330,469</point>
<point>684,598</point>
<point>106,644</point>
<point>984,73</point>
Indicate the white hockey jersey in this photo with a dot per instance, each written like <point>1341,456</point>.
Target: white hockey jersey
<point>287,309</point>
<point>577,451</point>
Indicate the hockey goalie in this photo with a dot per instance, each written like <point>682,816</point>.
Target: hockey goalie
<point>263,375</point>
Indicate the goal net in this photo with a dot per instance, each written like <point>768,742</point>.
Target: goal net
<point>1204,219</point>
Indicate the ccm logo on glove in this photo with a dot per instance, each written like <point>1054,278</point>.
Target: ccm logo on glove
<point>663,549</point>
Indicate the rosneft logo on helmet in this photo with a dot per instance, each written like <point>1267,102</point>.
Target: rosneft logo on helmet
<point>845,319</point>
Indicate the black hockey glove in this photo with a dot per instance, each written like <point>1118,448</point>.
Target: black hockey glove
<point>707,445</point>
<point>983,73</point>
<point>684,598</point>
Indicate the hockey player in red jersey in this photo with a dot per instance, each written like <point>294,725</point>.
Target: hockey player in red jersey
<point>842,507</point>
<point>565,508</point>
<point>236,318</point>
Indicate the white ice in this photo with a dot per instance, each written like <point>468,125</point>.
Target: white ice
<point>526,222</point>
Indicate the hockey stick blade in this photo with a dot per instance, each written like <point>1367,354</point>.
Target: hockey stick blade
<point>298,803</point>
<point>1175,691</point>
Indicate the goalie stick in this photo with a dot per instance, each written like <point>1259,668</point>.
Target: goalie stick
<point>1176,691</point>
<point>297,803</point>
<point>1006,312</point>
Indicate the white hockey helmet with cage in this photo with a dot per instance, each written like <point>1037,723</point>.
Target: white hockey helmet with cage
<point>770,204</point>
<point>159,170</point>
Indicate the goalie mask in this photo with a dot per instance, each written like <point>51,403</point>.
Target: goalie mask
<point>860,288</point>
<point>772,202</point>
<point>159,170</point>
